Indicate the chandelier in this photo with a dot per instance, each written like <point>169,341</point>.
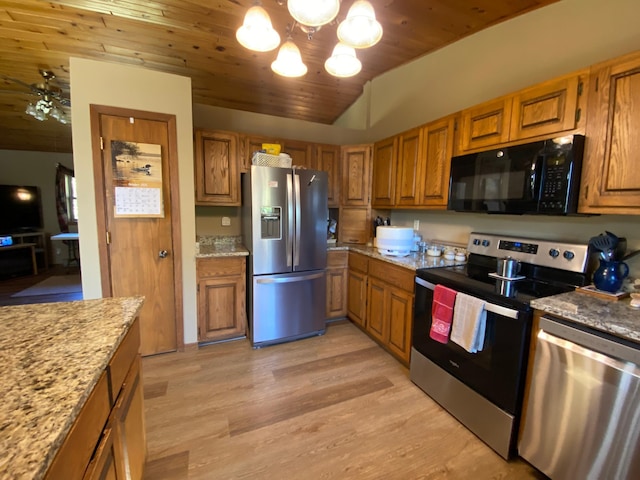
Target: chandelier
<point>45,108</point>
<point>358,30</point>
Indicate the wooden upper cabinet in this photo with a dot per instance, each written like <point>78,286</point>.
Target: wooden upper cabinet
<point>546,108</point>
<point>249,145</point>
<point>328,160</point>
<point>485,125</point>
<point>435,165</point>
<point>384,172</point>
<point>217,180</point>
<point>410,151</point>
<point>356,167</point>
<point>302,153</point>
<point>611,177</point>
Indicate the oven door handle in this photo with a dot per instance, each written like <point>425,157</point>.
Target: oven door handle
<point>489,307</point>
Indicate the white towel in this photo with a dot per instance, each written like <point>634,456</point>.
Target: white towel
<point>469,323</point>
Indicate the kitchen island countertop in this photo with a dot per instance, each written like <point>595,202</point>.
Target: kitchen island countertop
<point>51,357</point>
<point>614,317</point>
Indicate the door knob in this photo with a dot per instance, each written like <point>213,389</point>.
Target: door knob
<point>163,254</point>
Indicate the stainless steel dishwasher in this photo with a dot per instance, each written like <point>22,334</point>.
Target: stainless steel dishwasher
<point>583,413</point>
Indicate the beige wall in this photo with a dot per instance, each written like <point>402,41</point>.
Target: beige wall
<point>39,169</point>
<point>548,42</point>
<point>136,88</point>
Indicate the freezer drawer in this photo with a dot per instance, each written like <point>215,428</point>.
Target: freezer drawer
<point>287,307</point>
<point>583,414</point>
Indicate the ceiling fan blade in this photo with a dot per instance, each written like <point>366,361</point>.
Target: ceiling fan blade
<point>19,82</point>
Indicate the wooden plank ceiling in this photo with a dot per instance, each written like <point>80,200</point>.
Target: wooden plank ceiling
<point>196,38</point>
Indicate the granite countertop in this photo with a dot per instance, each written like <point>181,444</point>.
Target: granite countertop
<point>413,261</point>
<point>210,246</point>
<point>51,357</point>
<point>615,317</point>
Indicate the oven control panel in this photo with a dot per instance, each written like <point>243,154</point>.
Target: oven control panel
<point>548,253</point>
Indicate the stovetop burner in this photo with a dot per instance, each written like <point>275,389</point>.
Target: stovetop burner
<point>547,268</point>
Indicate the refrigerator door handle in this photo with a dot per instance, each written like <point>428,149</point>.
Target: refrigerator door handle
<point>296,242</point>
<point>303,278</point>
<point>290,219</point>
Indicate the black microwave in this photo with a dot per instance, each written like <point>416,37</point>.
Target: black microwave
<point>541,177</point>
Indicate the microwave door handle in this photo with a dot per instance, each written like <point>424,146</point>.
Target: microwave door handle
<point>539,171</point>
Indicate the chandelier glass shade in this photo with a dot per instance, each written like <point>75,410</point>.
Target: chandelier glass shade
<point>343,61</point>
<point>289,61</point>
<point>360,29</point>
<point>45,108</point>
<point>256,32</point>
<point>313,13</point>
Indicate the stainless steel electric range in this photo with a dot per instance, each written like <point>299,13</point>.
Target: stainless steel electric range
<point>483,390</point>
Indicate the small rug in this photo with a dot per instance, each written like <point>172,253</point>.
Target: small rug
<point>53,285</point>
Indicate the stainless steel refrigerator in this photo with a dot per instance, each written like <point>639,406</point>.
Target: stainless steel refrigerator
<point>284,226</point>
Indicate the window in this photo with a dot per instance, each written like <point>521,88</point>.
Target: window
<point>71,198</point>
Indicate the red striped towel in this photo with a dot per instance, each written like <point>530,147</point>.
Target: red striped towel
<point>442,313</point>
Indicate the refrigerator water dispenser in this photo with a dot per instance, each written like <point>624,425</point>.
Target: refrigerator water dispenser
<point>271,223</point>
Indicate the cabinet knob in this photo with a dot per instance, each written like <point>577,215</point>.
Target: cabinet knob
<point>163,254</point>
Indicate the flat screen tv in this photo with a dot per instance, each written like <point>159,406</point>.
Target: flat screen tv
<point>20,209</point>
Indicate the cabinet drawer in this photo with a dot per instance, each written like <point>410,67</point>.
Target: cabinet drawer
<point>358,262</point>
<point>337,259</point>
<point>213,267</point>
<point>122,359</point>
<point>76,451</point>
<point>397,276</point>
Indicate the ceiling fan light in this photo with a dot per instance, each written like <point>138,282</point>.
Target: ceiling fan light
<point>40,115</point>
<point>289,62</point>
<point>360,29</point>
<point>313,13</point>
<point>31,109</point>
<point>257,33</point>
<point>343,62</point>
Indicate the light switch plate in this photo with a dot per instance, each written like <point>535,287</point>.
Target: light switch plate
<point>226,221</point>
<point>416,225</point>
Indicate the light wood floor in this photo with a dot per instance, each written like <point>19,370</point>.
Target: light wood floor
<point>330,407</point>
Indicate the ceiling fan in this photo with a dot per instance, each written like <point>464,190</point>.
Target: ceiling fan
<point>52,100</point>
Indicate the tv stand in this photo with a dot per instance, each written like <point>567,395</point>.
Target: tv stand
<point>36,241</point>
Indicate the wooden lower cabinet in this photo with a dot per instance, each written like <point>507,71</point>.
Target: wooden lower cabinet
<point>107,440</point>
<point>221,298</point>
<point>380,300</point>
<point>337,262</point>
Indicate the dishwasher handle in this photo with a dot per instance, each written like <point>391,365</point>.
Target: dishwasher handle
<point>600,342</point>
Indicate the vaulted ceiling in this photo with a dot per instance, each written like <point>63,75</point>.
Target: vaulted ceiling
<point>196,38</point>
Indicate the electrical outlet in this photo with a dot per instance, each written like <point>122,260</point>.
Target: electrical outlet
<point>416,224</point>
<point>226,221</point>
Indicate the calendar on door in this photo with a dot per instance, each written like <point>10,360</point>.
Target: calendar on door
<point>137,179</point>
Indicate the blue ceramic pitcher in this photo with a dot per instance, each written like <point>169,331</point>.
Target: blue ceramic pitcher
<point>610,275</point>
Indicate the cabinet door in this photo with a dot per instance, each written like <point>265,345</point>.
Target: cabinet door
<point>377,322</point>
<point>336,292</point>
<point>410,151</point>
<point>103,465</point>
<point>384,165</point>
<point>356,297</point>
<point>611,177</point>
<point>400,313</point>
<point>436,163</point>
<point>328,160</point>
<point>217,181</point>
<point>129,441</point>
<point>356,169</point>
<point>221,299</point>
<point>251,144</point>
<point>354,225</point>
<point>302,153</point>
<point>545,109</point>
<point>485,125</point>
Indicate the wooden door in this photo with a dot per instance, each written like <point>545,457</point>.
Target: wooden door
<point>400,304</point>
<point>377,323</point>
<point>385,163</point>
<point>217,181</point>
<point>140,255</point>
<point>250,144</point>
<point>548,108</point>
<point>356,297</point>
<point>301,153</point>
<point>356,182</point>
<point>410,152</point>
<point>485,125</point>
<point>328,160</point>
<point>611,173</point>
<point>435,163</point>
